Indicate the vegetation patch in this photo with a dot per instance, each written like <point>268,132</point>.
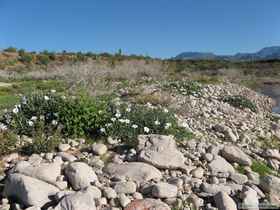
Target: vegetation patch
<point>184,87</point>
<point>8,142</point>
<point>129,121</point>
<point>261,168</point>
<point>240,102</point>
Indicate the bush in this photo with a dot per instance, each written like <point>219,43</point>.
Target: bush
<point>8,142</point>
<point>43,59</point>
<point>261,168</point>
<point>78,116</point>
<point>10,49</point>
<point>26,58</point>
<point>42,141</point>
<point>240,102</point>
<point>82,116</point>
<point>33,109</point>
<point>128,121</point>
<point>184,87</point>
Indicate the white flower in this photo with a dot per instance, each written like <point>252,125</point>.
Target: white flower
<point>54,122</point>
<point>34,118</point>
<point>118,115</point>
<point>53,91</point>
<point>157,122</point>
<point>149,105</point>
<point>15,110</point>
<point>102,130</point>
<point>146,130</point>
<point>185,125</point>
<point>113,119</point>
<point>30,123</point>
<point>46,98</point>
<point>167,125</point>
<point>134,126</point>
<point>128,109</point>
<point>127,121</point>
<point>63,97</point>
<point>3,127</point>
<point>42,117</point>
<point>122,120</point>
<point>165,110</point>
<point>100,112</point>
<point>108,125</point>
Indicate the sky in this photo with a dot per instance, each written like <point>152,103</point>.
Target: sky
<point>158,28</point>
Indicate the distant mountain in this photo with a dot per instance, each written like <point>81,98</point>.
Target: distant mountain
<point>264,54</point>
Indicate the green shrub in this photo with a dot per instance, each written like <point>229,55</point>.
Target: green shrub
<point>26,58</point>
<point>127,122</point>
<point>23,118</point>
<point>261,168</point>
<point>240,102</point>
<point>8,142</point>
<point>43,59</point>
<point>10,49</point>
<point>82,116</point>
<point>42,142</point>
<point>184,87</point>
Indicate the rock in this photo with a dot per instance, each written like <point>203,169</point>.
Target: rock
<point>196,202</point>
<point>219,164</point>
<point>109,193</point>
<point>33,208</point>
<point>227,131</point>
<point>234,154</point>
<point>138,172</point>
<point>80,175</point>
<point>63,147</point>
<point>67,157</point>
<point>250,198</point>
<point>147,204</point>
<point>208,157</point>
<point>125,187</point>
<point>164,190</point>
<point>124,200</point>
<point>213,189</point>
<point>271,185</point>
<point>198,172</point>
<point>156,150</point>
<point>82,200</point>
<point>272,153</point>
<point>99,149</point>
<point>47,172</point>
<point>11,157</point>
<point>29,191</point>
<point>238,178</point>
<point>224,202</point>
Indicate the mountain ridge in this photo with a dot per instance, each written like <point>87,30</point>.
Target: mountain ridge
<point>265,53</point>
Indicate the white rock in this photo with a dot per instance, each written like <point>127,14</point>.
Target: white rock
<point>63,147</point>
<point>125,187</point>
<point>138,172</point>
<point>82,200</point>
<point>99,149</point>
<point>234,154</point>
<point>29,191</point>
<point>219,164</point>
<point>224,202</point>
<point>164,190</point>
<point>80,175</point>
<point>124,200</point>
<point>157,149</point>
<point>198,172</point>
<point>109,193</point>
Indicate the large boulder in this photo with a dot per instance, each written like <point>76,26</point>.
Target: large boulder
<point>224,201</point>
<point>47,172</point>
<point>250,198</point>
<point>29,191</point>
<point>160,151</point>
<point>220,165</point>
<point>146,204</point>
<point>271,185</point>
<point>80,175</point>
<point>234,154</point>
<point>82,200</point>
<point>138,172</point>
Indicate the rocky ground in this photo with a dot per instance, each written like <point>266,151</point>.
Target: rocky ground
<point>225,165</point>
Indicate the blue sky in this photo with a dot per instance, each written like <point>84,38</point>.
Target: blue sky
<point>159,28</point>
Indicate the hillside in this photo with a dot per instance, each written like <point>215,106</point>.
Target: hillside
<point>87,131</point>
